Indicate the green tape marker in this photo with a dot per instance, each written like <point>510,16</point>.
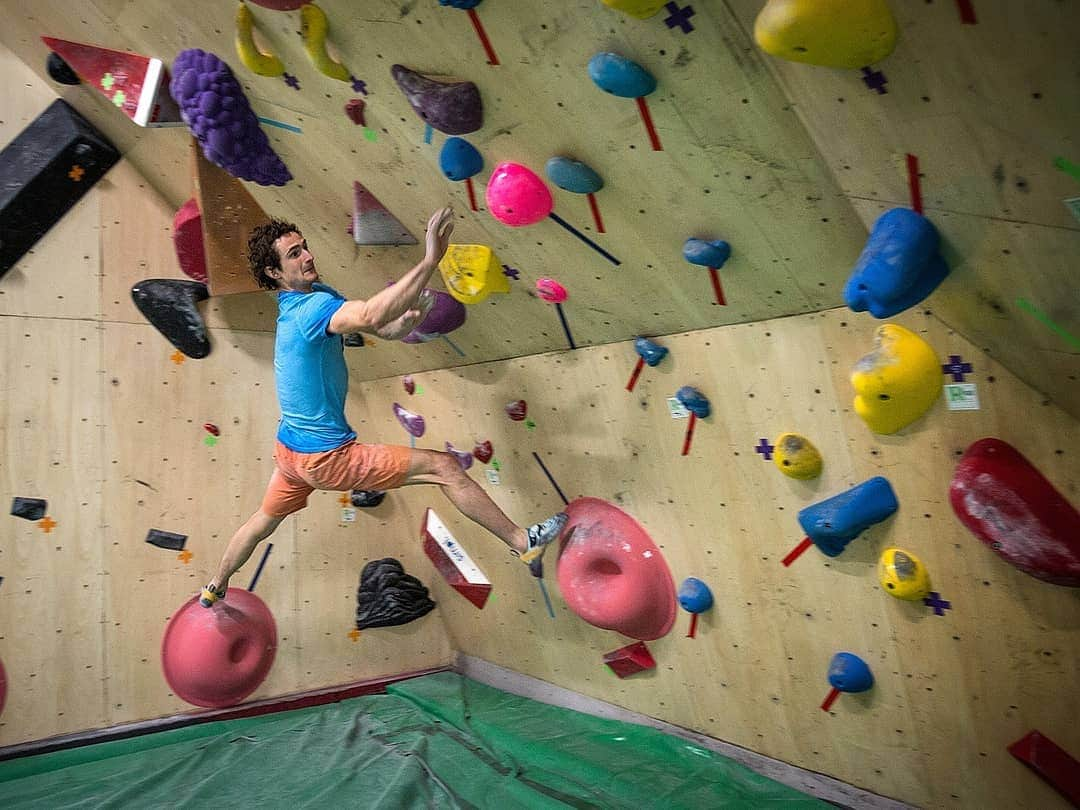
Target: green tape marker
<point>1026,305</point>
<point>1070,169</point>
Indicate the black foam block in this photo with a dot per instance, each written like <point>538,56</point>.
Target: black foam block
<point>43,172</point>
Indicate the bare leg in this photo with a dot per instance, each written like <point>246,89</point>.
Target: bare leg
<point>442,469</point>
<point>257,528</point>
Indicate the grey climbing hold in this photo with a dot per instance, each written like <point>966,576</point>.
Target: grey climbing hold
<point>388,596</point>
<point>170,306</point>
<point>454,108</point>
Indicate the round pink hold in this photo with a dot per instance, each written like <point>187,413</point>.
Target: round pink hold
<point>517,196</point>
<point>217,656</point>
<point>550,290</point>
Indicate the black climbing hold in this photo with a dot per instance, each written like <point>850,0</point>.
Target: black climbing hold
<point>388,596</point>
<point>367,497</point>
<point>29,508</point>
<point>46,170</point>
<point>170,306</point>
<point>355,339</point>
<point>163,539</point>
<point>60,71</point>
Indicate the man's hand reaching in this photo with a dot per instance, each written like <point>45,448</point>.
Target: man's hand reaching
<point>439,228</point>
<point>400,327</point>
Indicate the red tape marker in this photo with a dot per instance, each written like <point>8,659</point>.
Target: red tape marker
<point>796,552</point>
<point>596,213</point>
<point>644,109</point>
<point>637,373</point>
<point>830,699</point>
<point>967,12</point>
<point>693,626</point>
<point>689,433</point>
<point>492,58</point>
<point>716,287</point>
<point>472,194</point>
<point>913,183</point>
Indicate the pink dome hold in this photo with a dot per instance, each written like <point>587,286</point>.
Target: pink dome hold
<point>611,573</point>
<point>516,196</point>
<point>217,656</point>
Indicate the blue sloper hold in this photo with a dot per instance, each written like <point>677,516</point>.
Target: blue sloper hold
<point>459,159</point>
<point>573,175</point>
<point>694,401</point>
<point>833,523</point>
<point>462,4</point>
<point>899,266</point>
<point>651,353</point>
<point>849,673</point>
<point>620,76</point>
<point>695,596</point>
<point>707,254</point>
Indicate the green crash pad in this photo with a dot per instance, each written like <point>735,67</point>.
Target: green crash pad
<point>441,740</point>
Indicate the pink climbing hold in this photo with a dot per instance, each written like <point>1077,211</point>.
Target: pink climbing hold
<point>354,108</point>
<point>516,196</point>
<point>550,290</point>
<point>188,240</point>
<point>611,573</point>
<point>217,657</point>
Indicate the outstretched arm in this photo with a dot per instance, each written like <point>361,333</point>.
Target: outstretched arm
<point>387,306</point>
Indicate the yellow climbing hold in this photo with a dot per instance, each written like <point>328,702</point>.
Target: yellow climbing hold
<point>472,272</point>
<point>897,382</point>
<point>642,9</point>
<point>903,575</point>
<point>796,457</point>
<point>314,28</point>
<point>255,60</point>
<point>831,33</point>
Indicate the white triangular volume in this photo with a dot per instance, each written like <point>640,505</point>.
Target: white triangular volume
<point>373,224</point>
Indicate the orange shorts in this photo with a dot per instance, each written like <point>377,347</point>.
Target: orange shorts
<point>351,466</point>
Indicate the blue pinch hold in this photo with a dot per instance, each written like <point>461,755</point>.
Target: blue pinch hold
<point>707,254</point>
<point>694,401</point>
<point>899,266</point>
<point>459,159</point>
<point>573,175</point>
<point>849,673</point>
<point>695,596</point>
<point>651,353</point>
<point>620,76</point>
<point>833,523</point>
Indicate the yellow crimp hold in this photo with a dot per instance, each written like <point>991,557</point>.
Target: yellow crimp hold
<point>903,575</point>
<point>796,457</point>
<point>314,28</point>
<point>264,64</point>
<point>472,272</point>
<point>897,382</point>
<point>642,9</point>
<point>831,33</point>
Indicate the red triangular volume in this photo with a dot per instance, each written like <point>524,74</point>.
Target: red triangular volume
<point>373,224</point>
<point>138,85</point>
<point>1051,762</point>
<point>453,562</point>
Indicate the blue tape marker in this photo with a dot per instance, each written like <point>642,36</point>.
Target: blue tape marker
<point>281,125</point>
<point>258,571</point>
<point>427,133</point>
<point>453,345</point>
<point>565,325</point>
<point>549,477</point>
<point>584,238</point>
<point>547,599</point>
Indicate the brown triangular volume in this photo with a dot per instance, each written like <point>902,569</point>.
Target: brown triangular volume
<point>229,214</point>
<point>373,224</point>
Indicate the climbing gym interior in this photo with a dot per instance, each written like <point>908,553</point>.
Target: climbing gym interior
<point>776,299</point>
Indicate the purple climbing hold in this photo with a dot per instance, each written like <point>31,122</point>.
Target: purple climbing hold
<point>412,422</point>
<point>463,458</point>
<point>453,108</point>
<point>215,109</point>
<point>445,316</point>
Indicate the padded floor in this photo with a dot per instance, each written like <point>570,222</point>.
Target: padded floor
<point>441,740</point>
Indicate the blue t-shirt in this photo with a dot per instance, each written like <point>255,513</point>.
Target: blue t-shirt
<point>310,372</point>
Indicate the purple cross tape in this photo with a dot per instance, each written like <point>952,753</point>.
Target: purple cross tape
<point>875,80</point>
<point>939,605</point>
<point>679,17</point>
<point>765,449</point>
<point>957,367</point>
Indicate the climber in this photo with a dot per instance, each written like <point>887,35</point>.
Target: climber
<point>316,448</point>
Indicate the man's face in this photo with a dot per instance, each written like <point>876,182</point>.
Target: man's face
<point>297,264</point>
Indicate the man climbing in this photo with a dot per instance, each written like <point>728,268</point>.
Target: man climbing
<point>316,448</point>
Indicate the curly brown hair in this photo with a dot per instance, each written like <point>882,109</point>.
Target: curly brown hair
<point>263,254</point>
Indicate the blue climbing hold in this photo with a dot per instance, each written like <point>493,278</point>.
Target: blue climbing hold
<point>695,596</point>
<point>620,76</point>
<point>849,673</point>
<point>833,523</point>
<point>459,159</point>
<point>694,401</point>
<point>462,4</point>
<point>707,254</point>
<point>651,353</point>
<point>899,266</point>
<point>573,175</point>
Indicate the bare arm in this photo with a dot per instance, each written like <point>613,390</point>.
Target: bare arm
<point>383,309</point>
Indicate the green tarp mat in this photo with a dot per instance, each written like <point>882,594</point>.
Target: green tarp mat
<point>439,741</point>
